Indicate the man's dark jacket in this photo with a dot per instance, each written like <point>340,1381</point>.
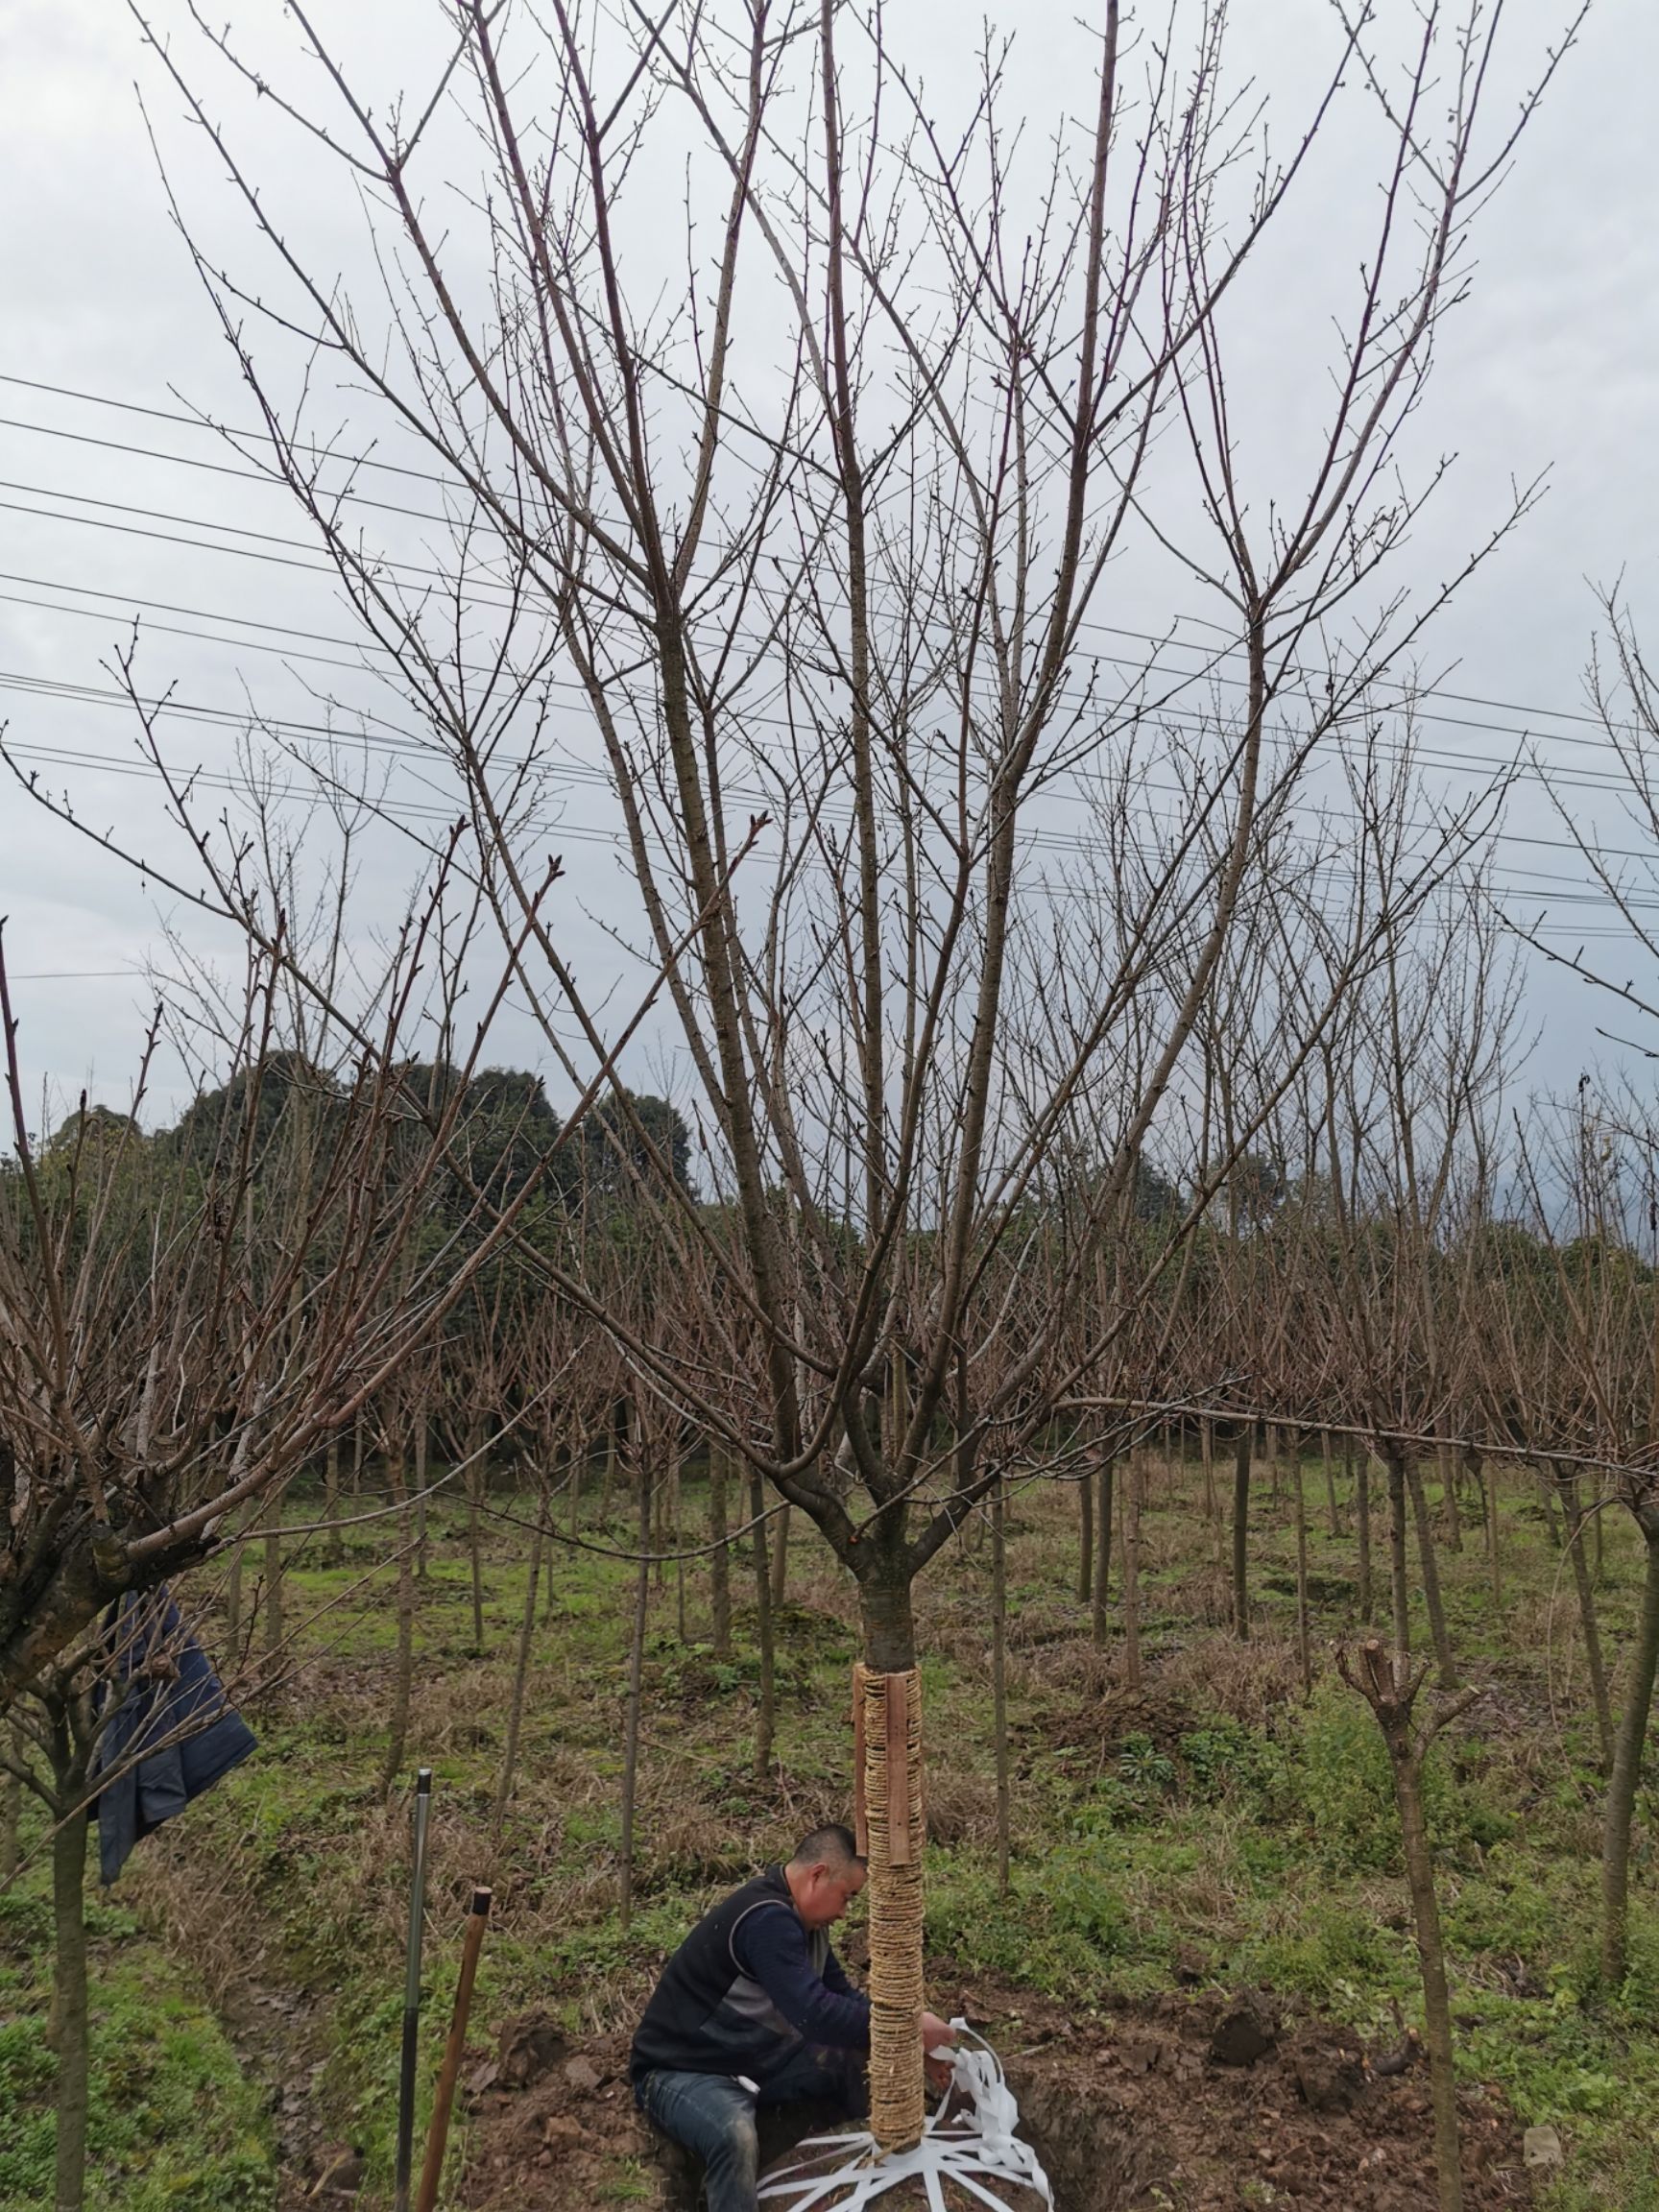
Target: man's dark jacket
<point>747,1988</point>
<point>172,1733</point>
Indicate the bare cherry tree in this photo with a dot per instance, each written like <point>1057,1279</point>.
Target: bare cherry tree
<point>819,512</point>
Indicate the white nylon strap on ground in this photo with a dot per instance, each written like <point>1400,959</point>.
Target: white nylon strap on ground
<point>848,2173</point>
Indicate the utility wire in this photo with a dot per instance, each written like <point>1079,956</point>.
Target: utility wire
<point>1407,693</point>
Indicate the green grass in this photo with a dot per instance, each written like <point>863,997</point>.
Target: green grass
<point>173,2126</point>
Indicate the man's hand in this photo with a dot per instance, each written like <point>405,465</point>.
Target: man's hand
<point>935,2032</point>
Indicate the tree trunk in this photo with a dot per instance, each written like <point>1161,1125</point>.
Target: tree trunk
<point>1626,1772</point>
<point>10,1816</point>
<point>1331,1505</point>
<point>1489,1493</point>
<point>1399,1589</point>
<point>1104,1476</point>
<point>423,1447</point>
<point>765,1720</point>
<point>1211,1502</point>
<point>719,1560</point>
<point>403,1676</point>
<point>780,1558</point>
<point>677,1519</point>
<point>271,1592</point>
<point>1132,1571</point>
<point>475,1490</point>
<point>1241,1450</point>
<point>1431,1957</point>
<point>635,1679</point>
<point>69,2031</point>
<point>333,1550</point>
<point>578,1463</point>
<point>609,1484</point>
<point>234,1597</point>
<point>1362,1522</point>
<point>1085,1539</point>
<point>1576,1528</point>
<point>520,1679</point>
<point>1449,1496</point>
<point>1390,1691</point>
<point>999,1671</point>
<point>544,1523</point>
<point>1431,1598</point>
<point>1546,1495</point>
<point>1303,1643</point>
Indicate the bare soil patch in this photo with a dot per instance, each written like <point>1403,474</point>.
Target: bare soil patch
<point>1129,2112</point>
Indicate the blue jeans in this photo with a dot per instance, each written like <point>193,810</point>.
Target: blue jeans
<point>713,2115</point>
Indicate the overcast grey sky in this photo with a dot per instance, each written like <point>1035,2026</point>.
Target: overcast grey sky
<point>1554,365</point>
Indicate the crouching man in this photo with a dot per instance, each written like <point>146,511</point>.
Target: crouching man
<point>753,2010</point>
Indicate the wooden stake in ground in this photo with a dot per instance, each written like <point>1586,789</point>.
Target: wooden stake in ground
<point>438,2132</point>
<point>1389,1687</point>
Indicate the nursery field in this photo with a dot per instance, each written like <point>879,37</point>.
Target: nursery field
<point>1204,1867</point>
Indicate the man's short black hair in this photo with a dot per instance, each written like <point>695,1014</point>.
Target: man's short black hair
<point>832,1845</point>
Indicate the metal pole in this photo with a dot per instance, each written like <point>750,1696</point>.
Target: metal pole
<point>411,1991</point>
<point>438,2132</point>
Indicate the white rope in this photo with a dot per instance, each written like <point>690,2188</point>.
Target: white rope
<point>978,2141</point>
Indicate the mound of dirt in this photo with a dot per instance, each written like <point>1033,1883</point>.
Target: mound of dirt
<point>1127,2111</point>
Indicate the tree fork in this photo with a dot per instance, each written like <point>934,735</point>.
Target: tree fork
<point>1390,1688</point>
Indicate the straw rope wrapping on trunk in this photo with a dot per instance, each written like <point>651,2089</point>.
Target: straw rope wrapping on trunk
<point>893,1830</point>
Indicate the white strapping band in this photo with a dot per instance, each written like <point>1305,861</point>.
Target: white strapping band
<point>976,2144</point>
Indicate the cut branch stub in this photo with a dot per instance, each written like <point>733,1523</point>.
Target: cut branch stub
<point>894,1832</point>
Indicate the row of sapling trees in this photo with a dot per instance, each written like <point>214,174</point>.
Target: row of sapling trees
<point>824,538</point>
<point>1435,1276</point>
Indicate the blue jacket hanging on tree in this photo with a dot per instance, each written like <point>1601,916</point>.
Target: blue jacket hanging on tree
<point>172,1733</point>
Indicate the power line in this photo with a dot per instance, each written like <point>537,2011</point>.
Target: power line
<point>199,423</point>
<point>1408,694</point>
<point>1566,890</point>
<point>1462,762</point>
<point>391,740</point>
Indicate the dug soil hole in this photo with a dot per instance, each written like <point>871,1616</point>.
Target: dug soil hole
<point>1134,2110</point>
